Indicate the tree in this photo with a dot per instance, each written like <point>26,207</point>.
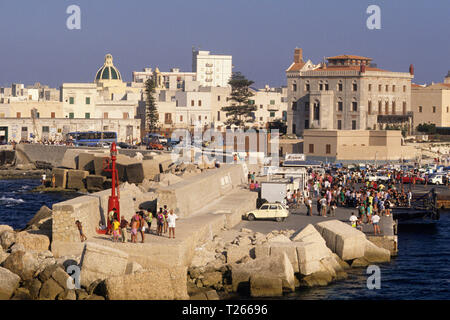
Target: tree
<point>429,128</point>
<point>241,110</point>
<point>151,111</point>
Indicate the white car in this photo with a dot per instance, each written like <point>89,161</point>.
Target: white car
<point>277,211</point>
<point>436,179</point>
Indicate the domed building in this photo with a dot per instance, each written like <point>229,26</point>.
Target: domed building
<point>108,76</point>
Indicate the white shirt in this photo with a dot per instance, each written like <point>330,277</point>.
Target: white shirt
<point>376,218</point>
<point>353,218</point>
<point>171,220</point>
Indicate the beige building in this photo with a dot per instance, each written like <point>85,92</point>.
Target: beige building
<point>271,104</point>
<point>347,93</point>
<point>431,104</point>
<point>355,145</point>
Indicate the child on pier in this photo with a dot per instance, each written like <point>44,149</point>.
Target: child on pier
<point>80,230</point>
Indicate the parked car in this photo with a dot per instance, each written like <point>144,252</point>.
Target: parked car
<point>124,145</point>
<point>150,136</point>
<point>276,211</point>
<point>408,179</point>
<point>436,179</point>
<point>155,144</point>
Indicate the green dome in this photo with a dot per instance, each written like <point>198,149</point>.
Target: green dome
<point>108,71</point>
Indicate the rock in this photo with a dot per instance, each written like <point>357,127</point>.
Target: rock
<point>3,256</point>
<point>375,254</point>
<point>17,247</point>
<point>76,179</point>
<point>344,265</point>
<point>60,177</point>
<point>7,239</point>
<point>320,278</point>
<point>212,295</point>
<point>67,295</point>
<point>81,294</point>
<point>50,290</point>
<point>47,272</point>
<point>199,296</point>
<point>95,183</point>
<point>155,284</point>
<point>133,267</point>
<point>360,262</point>
<point>43,214</point>
<point>4,227</point>
<point>9,282</point>
<point>308,234</point>
<point>279,238</point>
<point>101,262</point>
<point>309,256</point>
<point>22,294</point>
<point>344,240</point>
<point>60,276</point>
<point>212,278</point>
<point>273,265</point>
<point>265,286</point>
<point>246,230</point>
<point>262,250</point>
<point>202,257</point>
<point>24,264</point>
<point>288,248</point>
<point>236,253</point>
<point>33,242</point>
<point>95,297</point>
<point>33,286</point>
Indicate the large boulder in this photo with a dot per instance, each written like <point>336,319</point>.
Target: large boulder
<point>22,263</point>
<point>60,177</point>
<point>375,254</point>
<point>344,240</point>
<point>4,227</point>
<point>76,179</point>
<point>288,248</point>
<point>50,290</point>
<point>308,234</point>
<point>236,253</point>
<point>265,285</point>
<point>33,242</point>
<point>277,266</point>
<point>155,284</point>
<point>95,183</point>
<point>3,255</point>
<point>7,239</point>
<point>9,282</point>
<point>40,217</point>
<point>101,262</point>
<point>309,256</point>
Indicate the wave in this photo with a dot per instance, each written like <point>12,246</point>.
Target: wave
<point>11,200</point>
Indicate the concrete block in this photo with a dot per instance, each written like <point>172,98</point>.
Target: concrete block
<point>86,162</point>
<point>9,282</point>
<point>265,286</point>
<point>95,183</point>
<point>308,234</point>
<point>60,177</point>
<point>135,172</point>
<point>236,253</point>
<point>101,262</point>
<point>151,168</point>
<point>76,179</point>
<point>290,249</point>
<point>375,254</point>
<point>70,159</point>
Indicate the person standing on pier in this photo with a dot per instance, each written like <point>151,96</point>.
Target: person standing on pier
<point>123,229</point>
<point>171,218</point>
<point>53,181</point>
<point>80,230</point>
<point>375,221</point>
<point>115,227</point>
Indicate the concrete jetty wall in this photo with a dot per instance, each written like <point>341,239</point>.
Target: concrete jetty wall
<point>190,195</point>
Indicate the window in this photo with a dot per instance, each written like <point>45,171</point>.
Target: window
<point>88,100</point>
<point>218,98</point>
<point>199,103</point>
<point>393,107</point>
<point>272,102</point>
<point>379,87</point>
<point>306,125</point>
<point>387,88</point>
<point>404,88</point>
<point>294,87</point>
<point>354,106</point>
<point>404,107</point>
<point>311,148</point>
<point>192,103</point>
<point>307,87</point>
<point>218,115</point>
<point>320,86</point>
<point>307,106</point>
<point>251,101</point>
<point>340,86</point>
<point>393,88</point>
<point>260,106</point>
<point>181,118</point>
<point>87,115</point>
<point>126,115</point>
<point>353,124</point>
<point>434,109</point>
<point>260,118</point>
<point>52,115</point>
<point>18,115</point>
<point>420,108</point>
<point>45,129</point>
<point>105,115</point>
<point>272,114</point>
<point>71,100</point>
<point>294,105</point>
<point>354,86</point>
<point>380,107</point>
<point>370,87</point>
<point>264,207</point>
<point>339,124</point>
<point>369,105</point>
<point>447,109</point>
<point>326,86</point>
<point>328,149</point>
<point>71,115</point>
<point>199,118</point>
<point>340,106</point>
<point>386,107</point>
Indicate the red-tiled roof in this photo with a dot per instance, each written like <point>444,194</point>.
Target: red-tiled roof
<point>296,66</point>
<point>347,56</point>
<point>345,68</point>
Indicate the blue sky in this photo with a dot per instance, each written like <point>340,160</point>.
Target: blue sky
<point>35,44</point>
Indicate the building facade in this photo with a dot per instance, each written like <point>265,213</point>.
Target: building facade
<point>347,93</point>
<point>211,70</point>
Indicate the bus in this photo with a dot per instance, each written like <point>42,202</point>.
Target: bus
<point>91,138</point>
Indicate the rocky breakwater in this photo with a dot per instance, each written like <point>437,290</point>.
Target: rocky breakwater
<point>258,265</point>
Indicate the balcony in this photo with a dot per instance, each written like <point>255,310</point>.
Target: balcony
<point>272,107</point>
<point>209,65</point>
